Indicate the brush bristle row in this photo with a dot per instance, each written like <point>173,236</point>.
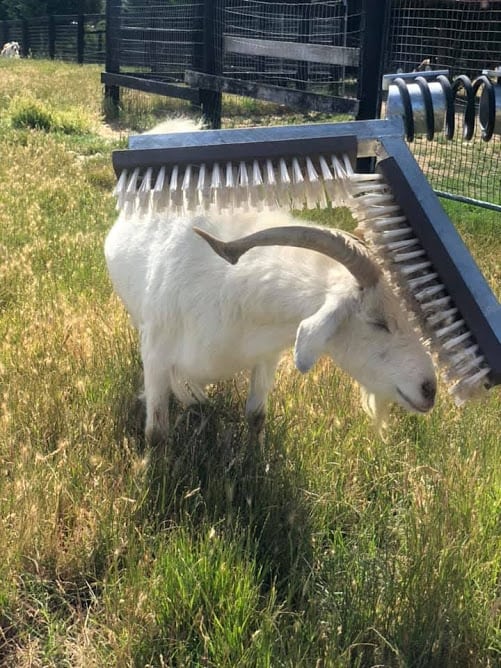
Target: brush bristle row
<point>387,231</point>
<point>272,184</point>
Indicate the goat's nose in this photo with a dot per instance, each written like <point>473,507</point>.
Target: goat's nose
<point>429,390</point>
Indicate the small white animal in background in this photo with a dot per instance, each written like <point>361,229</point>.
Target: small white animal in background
<point>11,50</point>
<point>202,320</point>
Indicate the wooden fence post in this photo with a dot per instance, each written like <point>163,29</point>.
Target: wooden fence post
<point>25,31</point>
<point>5,31</point>
<point>304,21</point>
<point>212,61</point>
<point>374,29</point>
<point>112,61</point>
<point>80,39</point>
<point>51,27</point>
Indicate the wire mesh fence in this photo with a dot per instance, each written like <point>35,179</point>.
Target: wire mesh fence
<point>75,38</point>
<point>465,38</point>
<point>331,23</point>
<point>160,38</point>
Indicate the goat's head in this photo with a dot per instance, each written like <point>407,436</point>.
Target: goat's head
<point>367,331</point>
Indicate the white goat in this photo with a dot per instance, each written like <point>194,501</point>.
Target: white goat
<point>202,320</point>
<point>11,50</point>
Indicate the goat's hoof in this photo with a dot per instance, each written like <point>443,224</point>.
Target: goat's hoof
<point>256,422</point>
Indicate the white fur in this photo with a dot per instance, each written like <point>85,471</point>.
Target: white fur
<point>180,124</point>
<point>11,50</point>
<point>202,320</point>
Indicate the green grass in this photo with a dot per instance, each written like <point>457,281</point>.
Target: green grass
<point>329,547</point>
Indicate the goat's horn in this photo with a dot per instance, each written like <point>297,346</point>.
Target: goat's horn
<point>336,244</point>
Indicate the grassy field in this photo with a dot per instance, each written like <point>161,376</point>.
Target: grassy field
<point>328,548</point>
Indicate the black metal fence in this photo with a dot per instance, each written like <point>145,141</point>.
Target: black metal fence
<point>78,38</point>
<point>324,55</point>
<point>304,54</point>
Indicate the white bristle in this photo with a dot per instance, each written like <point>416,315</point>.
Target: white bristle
<point>410,269</point>
<point>452,343</point>
<point>283,190</point>
<point>256,195</point>
<point>188,189</point>
<point>271,184</point>
<point>230,175</point>
<point>230,184</point>
<point>436,304</point>
<point>131,190</point>
<point>414,283</point>
<point>120,187</point>
<point>174,198</point>
<point>398,245</point>
<point>333,189</point>
<point>203,187</point>
<point>393,220</point>
<point>243,185</point>
<point>144,192</point>
<point>466,354</point>
<point>443,315</point>
<point>216,177</point>
<point>422,295</point>
<point>405,257</point>
<point>297,179</point>
<point>313,187</point>
<point>159,183</point>
<point>448,329</point>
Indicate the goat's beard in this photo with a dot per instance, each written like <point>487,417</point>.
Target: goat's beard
<point>377,408</point>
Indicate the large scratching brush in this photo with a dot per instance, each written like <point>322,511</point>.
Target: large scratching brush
<point>313,165</point>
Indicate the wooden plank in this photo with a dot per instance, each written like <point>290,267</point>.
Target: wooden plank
<point>299,100</point>
<point>150,86</point>
<point>311,53</point>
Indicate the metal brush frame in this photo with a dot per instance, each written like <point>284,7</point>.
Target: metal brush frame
<point>379,139</point>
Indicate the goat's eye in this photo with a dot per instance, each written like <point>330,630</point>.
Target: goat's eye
<point>381,324</point>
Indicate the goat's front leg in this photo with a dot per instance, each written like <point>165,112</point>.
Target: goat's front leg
<point>261,382</point>
<point>157,393</point>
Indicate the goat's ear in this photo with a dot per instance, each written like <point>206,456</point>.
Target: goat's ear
<point>314,332</point>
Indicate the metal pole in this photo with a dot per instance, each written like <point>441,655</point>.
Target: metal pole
<point>112,61</point>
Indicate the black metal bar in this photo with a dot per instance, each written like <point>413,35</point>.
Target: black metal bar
<point>238,150</point>
<point>301,100</point>
<point>51,28</point>
<point>212,54</point>
<point>303,38</point>
<point>368,133</point>
<point>5,31</point>
<point>112,60</point>
<point>148,85</point>
<point>468,200</point>
<point>25,46</point>
<point>374,27</point>
<point>80,39</point>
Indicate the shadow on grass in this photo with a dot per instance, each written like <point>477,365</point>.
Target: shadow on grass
<point>210,472</point>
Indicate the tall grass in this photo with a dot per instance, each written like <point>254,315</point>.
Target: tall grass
<point>327,547</point>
